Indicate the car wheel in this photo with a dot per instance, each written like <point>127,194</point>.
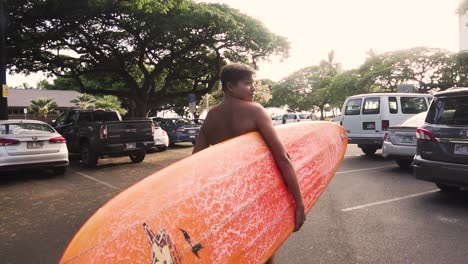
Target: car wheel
<point>137,156</point>
<point>88,157</point>
<point>369,151</point>
<point>59,170</point>
<point>163,148</point>
<point>447,188</point>
<point>404,163</point>
<point>194,142</point>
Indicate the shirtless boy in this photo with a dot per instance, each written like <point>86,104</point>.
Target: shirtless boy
<point>236,115</point>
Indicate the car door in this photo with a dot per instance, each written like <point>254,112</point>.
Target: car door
<point>371,117</point>
<point>351,119</point>
<point>65,126</point>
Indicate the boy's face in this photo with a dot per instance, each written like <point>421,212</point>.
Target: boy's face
<point>244,89</point>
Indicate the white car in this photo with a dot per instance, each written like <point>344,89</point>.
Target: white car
<point>31,144</point>
<point>290,118</point>
<point>161,139</point>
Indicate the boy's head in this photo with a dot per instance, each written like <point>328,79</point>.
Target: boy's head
<point>232,73</point>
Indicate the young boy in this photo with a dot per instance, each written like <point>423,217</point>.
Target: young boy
<point>236,115</point>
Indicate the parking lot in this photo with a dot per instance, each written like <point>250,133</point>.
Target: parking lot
<point>372,212</point>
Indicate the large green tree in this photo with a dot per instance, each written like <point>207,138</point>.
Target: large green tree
<point>154,51</point>
<point>308,88</point>
<point>426,68</point>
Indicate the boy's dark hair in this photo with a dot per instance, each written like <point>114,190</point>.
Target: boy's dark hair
<point>235,72</point>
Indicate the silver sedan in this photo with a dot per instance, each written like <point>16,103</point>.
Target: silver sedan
<point>400,141</point>
<point>31,144</point>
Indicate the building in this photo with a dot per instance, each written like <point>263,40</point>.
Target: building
<point>20,99</point>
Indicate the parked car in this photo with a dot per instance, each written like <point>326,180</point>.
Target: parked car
<point>290,118</point>
<point>198,121</point>
<point>179,129</point>
<point>366,117</point>
<point>31,144</point>
<point>442,141</point>
<point>161,139</point>
<point>97,133</point>
<point>400,141</point>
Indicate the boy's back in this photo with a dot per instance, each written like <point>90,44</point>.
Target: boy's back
<point>223,123</point>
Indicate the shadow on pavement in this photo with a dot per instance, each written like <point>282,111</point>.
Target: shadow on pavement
<point>27,175</point>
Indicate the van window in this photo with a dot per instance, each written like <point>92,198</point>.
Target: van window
<point>413,105</point>
<point>353,107</point>
<point>371,106</point>
<point>448,111</point>
<point>393,105</point>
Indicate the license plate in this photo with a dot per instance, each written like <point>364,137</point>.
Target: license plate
<point>192,136</point>
<point>34,145</point>
<point>130,145</point>
<point>407,139</point>
<point>191,131</point>
<point>368,125</point>
<point>461,149</point>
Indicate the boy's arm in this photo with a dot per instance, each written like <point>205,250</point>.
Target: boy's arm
<point>283,161</point>
<point>202,142</point>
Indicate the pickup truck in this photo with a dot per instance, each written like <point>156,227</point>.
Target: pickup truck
<point>102,133</point>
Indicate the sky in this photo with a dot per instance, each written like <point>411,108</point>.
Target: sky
<point>349,27</point>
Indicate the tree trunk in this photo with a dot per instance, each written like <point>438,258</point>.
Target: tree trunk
<point>321,113</point>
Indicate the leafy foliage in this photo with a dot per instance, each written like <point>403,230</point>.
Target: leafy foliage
<point>154,52</point>
<point>84,101</point>
<point>42,107</point>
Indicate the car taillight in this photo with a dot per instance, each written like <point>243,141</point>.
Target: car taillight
<point>103,133</point>
<point>385,125</point>
<point>386,137</point>
<point>424,134</point>
<point>57,140</point>
<point>6,141</point>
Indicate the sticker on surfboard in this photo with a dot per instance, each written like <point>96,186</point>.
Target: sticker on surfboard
<point>163,249</point>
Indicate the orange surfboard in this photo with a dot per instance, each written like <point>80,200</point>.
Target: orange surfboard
<point>225,204</point>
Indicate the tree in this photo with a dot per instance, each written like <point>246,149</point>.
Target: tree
<point>42,107</point>
<point>157,51</point>
<point>307,88</point>
<point>84,101</point>
<point>425,68</point>
<point>110,102</point>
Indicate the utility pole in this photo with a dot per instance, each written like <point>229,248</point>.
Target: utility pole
<point>3,54</point>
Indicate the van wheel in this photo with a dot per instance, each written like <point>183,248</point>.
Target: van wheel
<point>88,157</point>
<point>404,163</point>
<point>447,188</point>
<point>137,157</point>
<point>369,151</point>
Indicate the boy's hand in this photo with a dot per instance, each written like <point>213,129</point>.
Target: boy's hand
<point>300,217</point>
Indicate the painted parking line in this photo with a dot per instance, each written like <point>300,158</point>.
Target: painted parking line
<point>96,180</point>
<point>366,169</point>
<point>389,200</point>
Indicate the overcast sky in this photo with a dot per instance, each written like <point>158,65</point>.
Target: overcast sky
<point>350,27</point>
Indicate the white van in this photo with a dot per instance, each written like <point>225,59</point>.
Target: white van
<point>366,117</point>
<point>290,118</point>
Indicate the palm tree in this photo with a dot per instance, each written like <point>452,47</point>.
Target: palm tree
<point>84,101</point>
<point>110,102</point>
<point>42,107</point>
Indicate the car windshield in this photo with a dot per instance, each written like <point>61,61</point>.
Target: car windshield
<point>183,122</point>
<point>449,111</point>
<point>415,121</point>
<point>25,128</point>
<point>304,116</point>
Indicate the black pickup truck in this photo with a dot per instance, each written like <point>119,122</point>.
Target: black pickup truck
<point>102,133</point>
